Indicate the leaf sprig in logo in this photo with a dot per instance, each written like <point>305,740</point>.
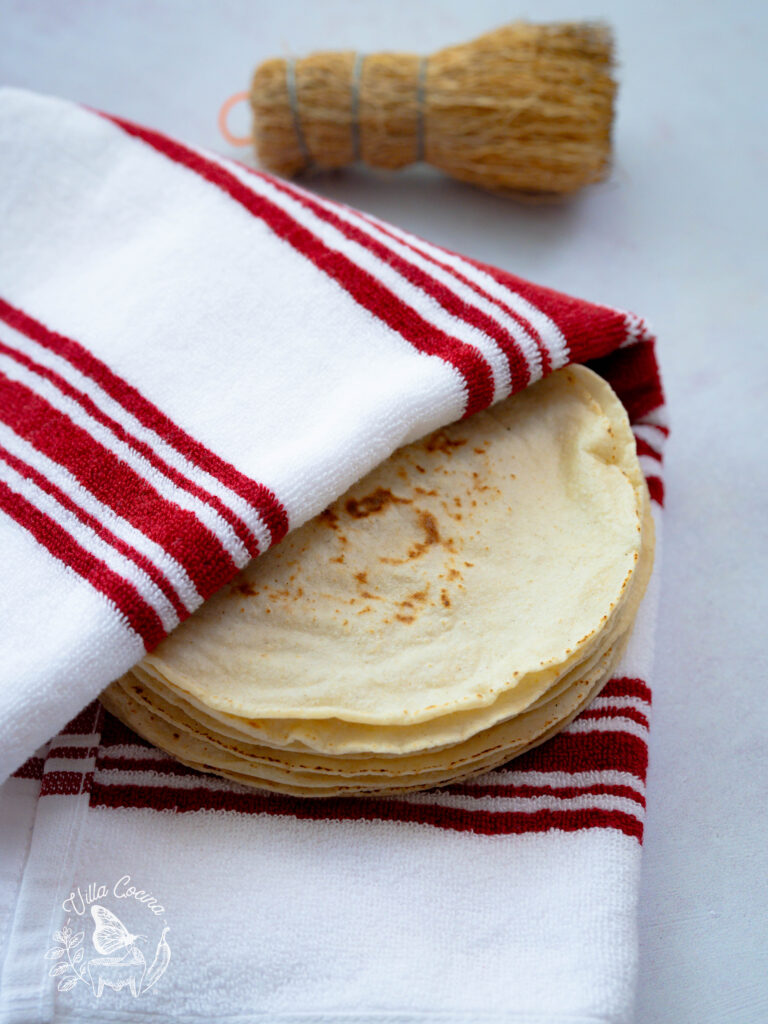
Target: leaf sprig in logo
<point>70,970</point>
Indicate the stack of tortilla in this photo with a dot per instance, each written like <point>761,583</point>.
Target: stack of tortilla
<point>456,607</point>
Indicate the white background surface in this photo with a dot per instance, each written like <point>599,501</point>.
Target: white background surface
<point>679,234</point>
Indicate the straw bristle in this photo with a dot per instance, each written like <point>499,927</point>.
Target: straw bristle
<point>523,108</point>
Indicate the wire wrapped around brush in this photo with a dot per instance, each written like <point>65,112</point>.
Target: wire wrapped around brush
<point>525,108</point>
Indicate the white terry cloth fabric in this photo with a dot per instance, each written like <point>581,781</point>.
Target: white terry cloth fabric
<point>195,358</point>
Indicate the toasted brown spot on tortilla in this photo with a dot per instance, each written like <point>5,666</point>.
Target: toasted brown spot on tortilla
<point>329,518</point>
<point>374,502</point>
<point>428,524</point>
<point>440,442</point>
<point>245,589</point>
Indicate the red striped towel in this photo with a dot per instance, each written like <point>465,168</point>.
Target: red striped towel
<point>195,358</point>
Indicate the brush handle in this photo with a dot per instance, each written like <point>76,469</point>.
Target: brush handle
<point>331,109</point>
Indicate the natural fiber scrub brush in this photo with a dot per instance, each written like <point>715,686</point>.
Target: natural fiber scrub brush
<point>525,108</point>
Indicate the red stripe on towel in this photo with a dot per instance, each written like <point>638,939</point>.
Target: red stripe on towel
<point>524,323</point>
<point>627,686</point>
<point>453,304</point>
<point>139,615</point>
<point>643,448</point>
<point>116,485</point>
<point>138,446</point>
<point>367,290</point>
<point>656,489</point>
<point>140,560</point>
<point>589,330</point>
<point>490,823</point>
<point>633,373</point>
<point>257,495</point>
<point>61,783</point>
<point>587,751</point>
<point>31,769</point>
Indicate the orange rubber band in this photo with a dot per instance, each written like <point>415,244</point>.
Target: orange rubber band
<point>226,107</point>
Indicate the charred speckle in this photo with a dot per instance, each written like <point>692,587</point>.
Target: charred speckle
<point>329,517</point>
<point>373,503</point>
<point>245,589</point>
<point>428,524</point>
<point>440,442</point>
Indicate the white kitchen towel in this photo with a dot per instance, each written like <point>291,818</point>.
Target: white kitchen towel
<point>193,359</point>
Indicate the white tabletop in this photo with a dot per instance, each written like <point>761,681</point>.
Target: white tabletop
<point>679,234</point>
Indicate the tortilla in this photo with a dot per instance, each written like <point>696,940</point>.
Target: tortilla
<point>456,607</point>
<point>335,738</point>
<point>480,561</point>
<point>174,709</point>
<point>198,754</point>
